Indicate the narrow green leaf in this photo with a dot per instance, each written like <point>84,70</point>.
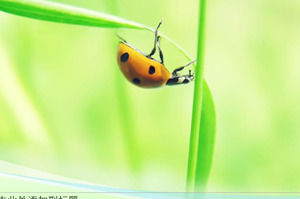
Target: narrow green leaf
<point>57,12</point>
<point>203,119</point>
<point>206,139</point>
<point>62,13</point>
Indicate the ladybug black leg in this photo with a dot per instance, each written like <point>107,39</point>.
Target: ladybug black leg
<point>174,73</point>
<point>155,40</point>
<point>182,79</point>
<point>160,51</point>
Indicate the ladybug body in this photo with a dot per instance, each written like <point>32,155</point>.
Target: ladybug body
<point>141,70</point>
<point>145,71</point>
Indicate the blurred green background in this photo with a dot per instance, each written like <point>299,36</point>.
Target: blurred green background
<point>65,107</point>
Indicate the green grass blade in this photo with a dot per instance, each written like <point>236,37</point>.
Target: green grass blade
<point>203,120</point>
<point>62,13</point>
<point>206,140</point>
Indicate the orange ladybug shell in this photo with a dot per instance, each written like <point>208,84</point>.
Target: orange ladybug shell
<point>139,69</point>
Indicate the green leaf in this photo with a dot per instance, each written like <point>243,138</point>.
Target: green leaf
<point>206,139</point>
<point>203,127</point>
<point>61,13</point>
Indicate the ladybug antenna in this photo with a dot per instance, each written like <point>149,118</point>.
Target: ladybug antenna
<point>123,40</point>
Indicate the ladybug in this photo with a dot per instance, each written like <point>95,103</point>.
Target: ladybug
<point>145,71</point>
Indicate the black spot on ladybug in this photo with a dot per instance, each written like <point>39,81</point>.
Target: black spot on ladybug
<point>151,70</point>
<point>124,57</point>
<point>136,80</point>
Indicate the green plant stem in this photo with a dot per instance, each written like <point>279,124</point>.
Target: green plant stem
<point>197,103</point>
